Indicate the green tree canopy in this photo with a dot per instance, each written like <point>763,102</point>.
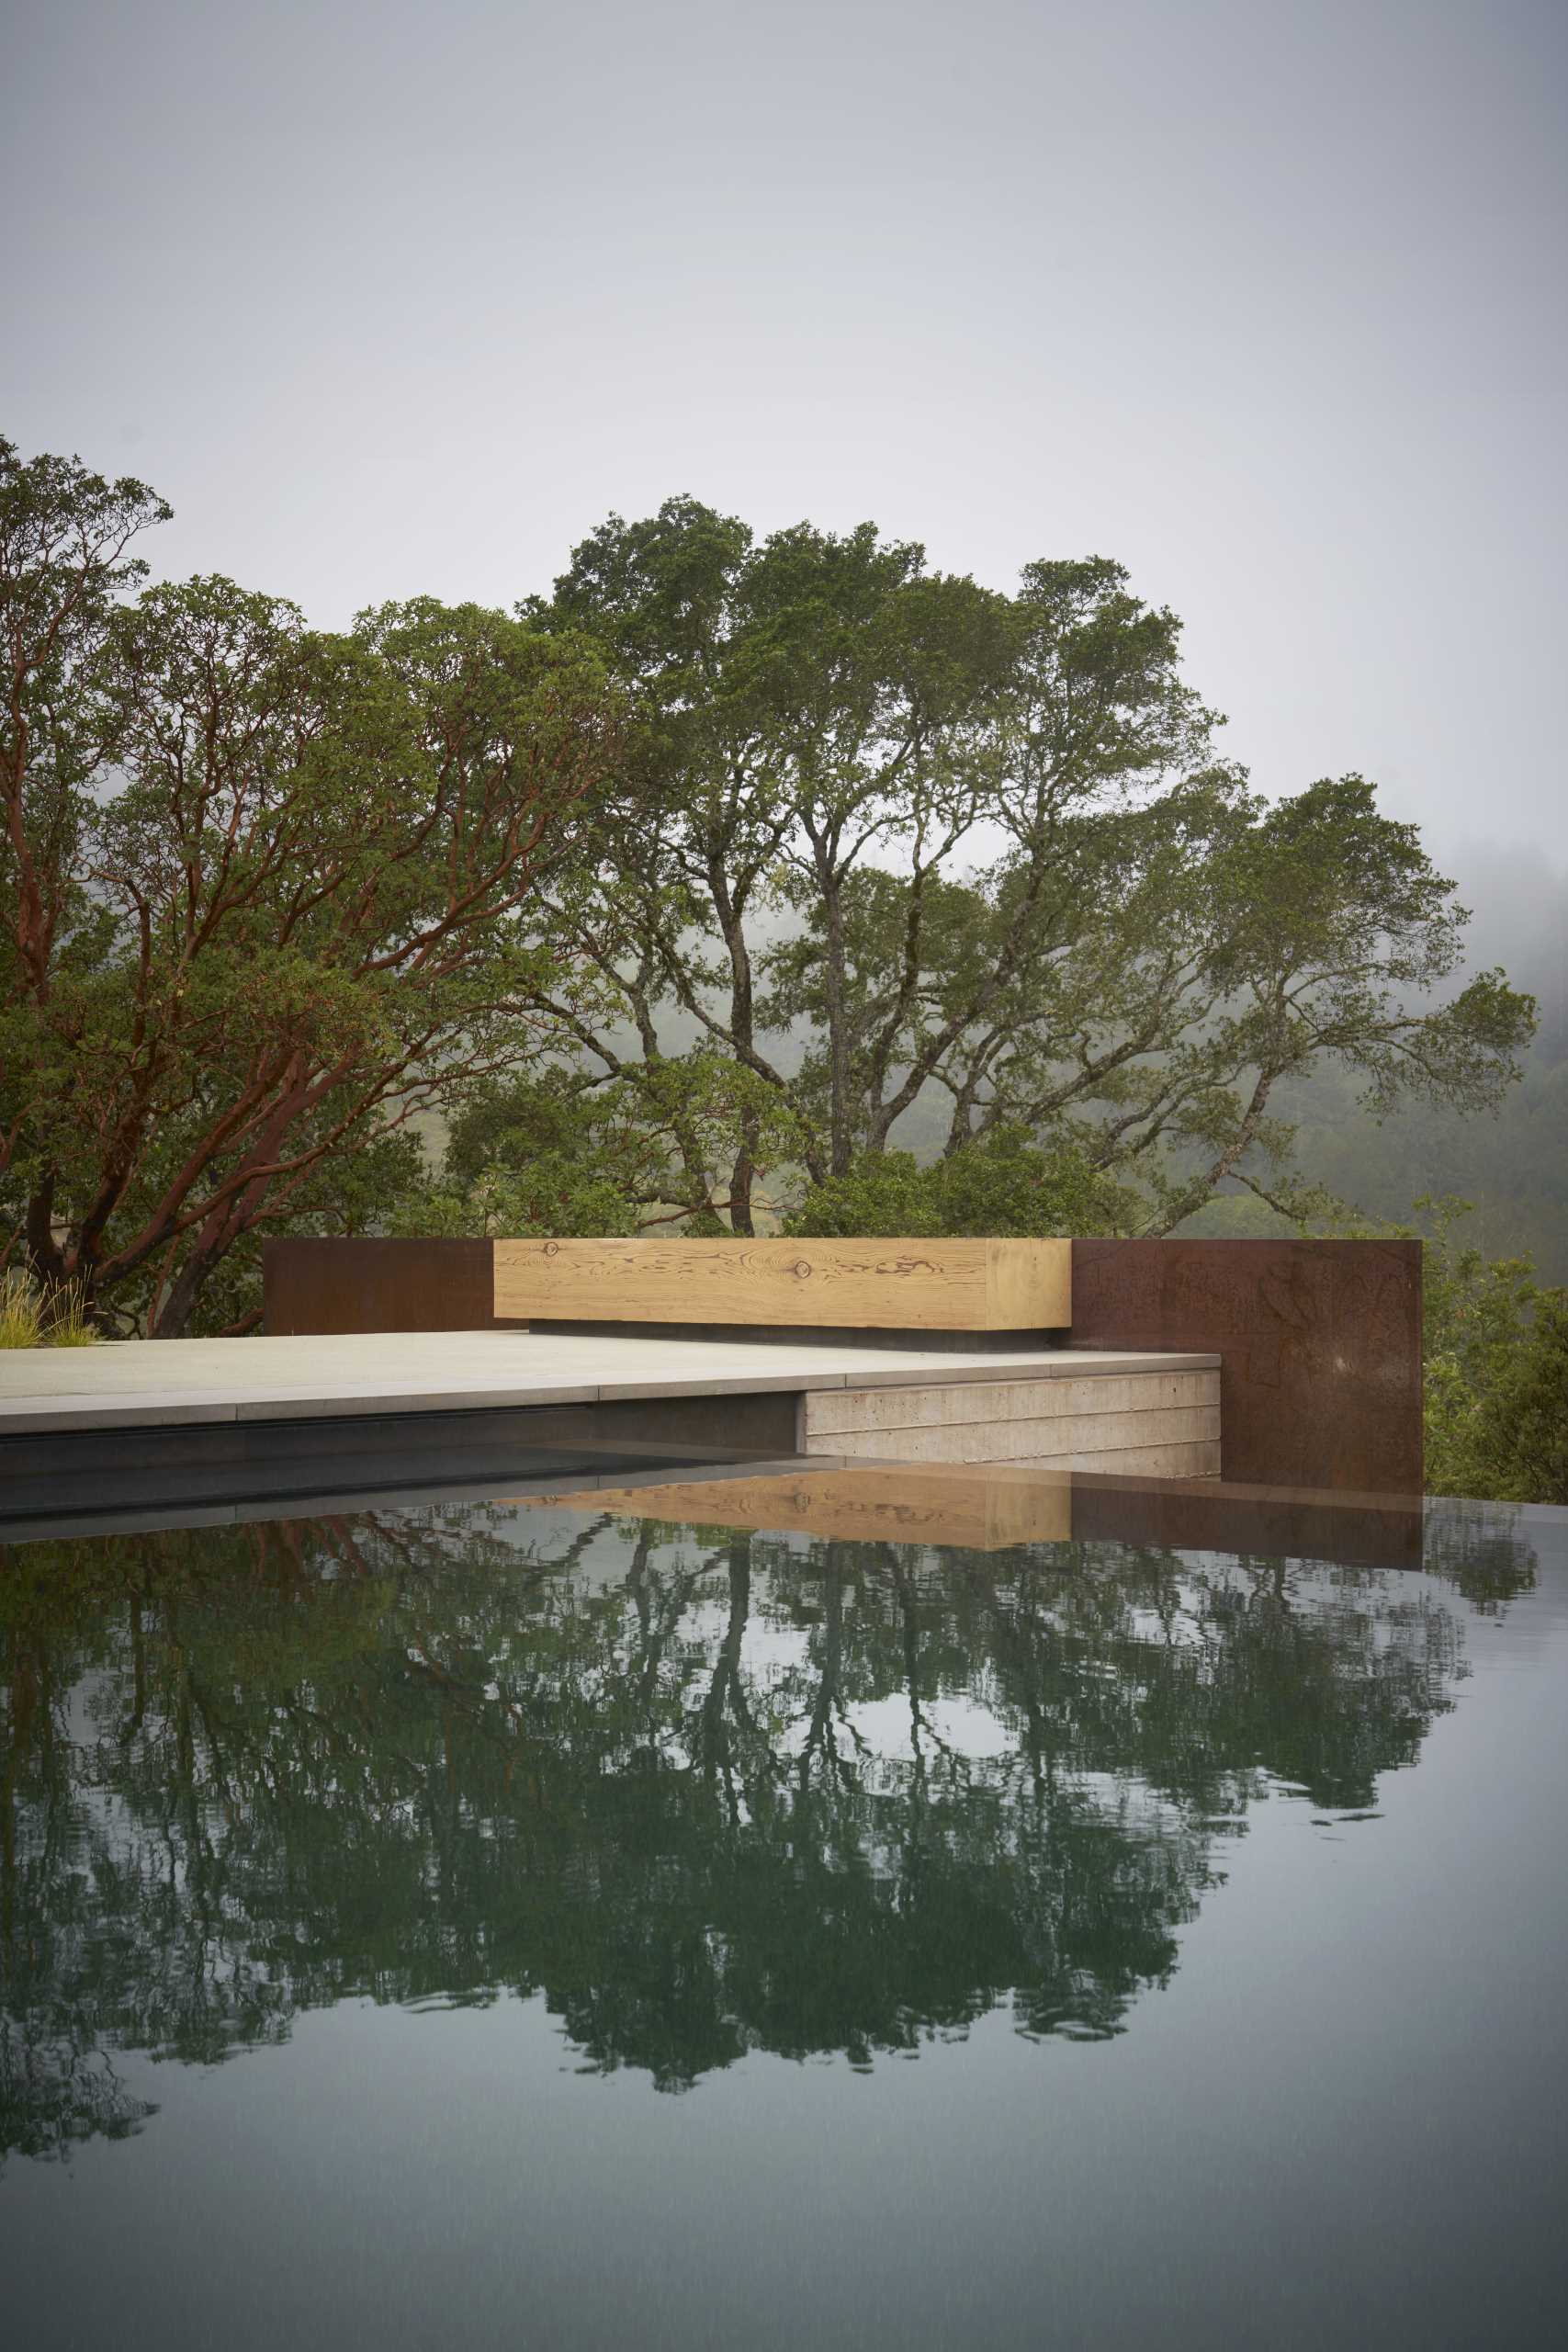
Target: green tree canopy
<point>694,893</point>
<point>888,840</point>
<point>1496,1371</point>
<point>1000,1184</point>
<point>268,893</point>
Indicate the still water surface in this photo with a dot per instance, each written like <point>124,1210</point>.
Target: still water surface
<point>481,1926</point>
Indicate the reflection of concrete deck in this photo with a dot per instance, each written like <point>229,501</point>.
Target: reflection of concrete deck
<point>181,1383</point>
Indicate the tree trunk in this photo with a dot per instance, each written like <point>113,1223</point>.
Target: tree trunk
<point>840,1125</point>
<point>741,1178</point>
<point>177,1303</point>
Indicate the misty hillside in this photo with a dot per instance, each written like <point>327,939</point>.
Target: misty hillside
<point>1512,1165</point>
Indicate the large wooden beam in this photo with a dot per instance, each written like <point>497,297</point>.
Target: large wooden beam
<point>947,1285</point>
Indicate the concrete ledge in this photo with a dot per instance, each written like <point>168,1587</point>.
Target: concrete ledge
<point>868,1409</point>
<point>161,1383</point>
<point>1163,1423</point>
<point>1076,1435</point>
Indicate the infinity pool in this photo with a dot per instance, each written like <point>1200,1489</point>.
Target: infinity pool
<point>477,1924</point>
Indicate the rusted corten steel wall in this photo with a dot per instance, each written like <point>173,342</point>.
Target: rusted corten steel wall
<point>1319,1342</point>
<point>372,1285</point>
<point>1380,1531</point>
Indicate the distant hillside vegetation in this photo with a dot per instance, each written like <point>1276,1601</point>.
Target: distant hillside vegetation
<point>1513,1165</point>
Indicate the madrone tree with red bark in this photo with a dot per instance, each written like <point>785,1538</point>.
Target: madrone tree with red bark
<point>266,894</point>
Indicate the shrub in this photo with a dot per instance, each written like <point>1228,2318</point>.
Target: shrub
<point>1498,1431</point>
<point>1497,1373</point>
<point>552,1198</point>
<point>1003,1185</point>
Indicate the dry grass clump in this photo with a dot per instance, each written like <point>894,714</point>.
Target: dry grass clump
<point>67,1326</point>
<point>21,1312</point>
<point>24,1322</point>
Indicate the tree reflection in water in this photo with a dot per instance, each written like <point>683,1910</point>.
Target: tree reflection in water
<point>706,1793</point>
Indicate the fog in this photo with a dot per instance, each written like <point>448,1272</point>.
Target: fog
<point>1264,302</point>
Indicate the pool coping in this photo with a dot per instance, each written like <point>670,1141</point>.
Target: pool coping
<point>104,1391</point>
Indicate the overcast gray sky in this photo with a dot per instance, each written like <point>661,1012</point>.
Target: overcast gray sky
<point>1265,300</point>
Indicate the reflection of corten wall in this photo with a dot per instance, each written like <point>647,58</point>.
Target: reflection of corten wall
<point>1380,1530</point>
<point>371,1285</point>
<point>1320,1347</point>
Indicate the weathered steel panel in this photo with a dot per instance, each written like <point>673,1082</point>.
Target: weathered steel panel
<point>1320,1347</point>
<point>375,1285</point>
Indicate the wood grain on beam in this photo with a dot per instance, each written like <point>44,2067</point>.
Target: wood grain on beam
<point>947,1285</point>
<point>914,1504</point>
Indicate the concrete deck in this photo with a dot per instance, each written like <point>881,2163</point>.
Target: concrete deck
<point>139,1383</point>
